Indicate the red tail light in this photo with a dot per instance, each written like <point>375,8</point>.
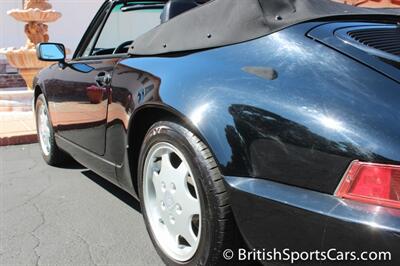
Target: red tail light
<point>372,183</point>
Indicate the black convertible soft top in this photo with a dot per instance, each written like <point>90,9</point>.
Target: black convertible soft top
<point>223,22</point>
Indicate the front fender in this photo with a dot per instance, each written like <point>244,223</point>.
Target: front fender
<point>39,82</point>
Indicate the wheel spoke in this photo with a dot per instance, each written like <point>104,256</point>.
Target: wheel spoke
<point>166,165</point>
<point>182,171</point>
<point>184,228</point>
<point>178,178</point>
<point>190,237</point>
<point>190,206</point>
<point>157,183</point>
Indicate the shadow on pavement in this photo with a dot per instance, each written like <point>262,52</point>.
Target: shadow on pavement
<point>121,194</point>
<point>70,163</point>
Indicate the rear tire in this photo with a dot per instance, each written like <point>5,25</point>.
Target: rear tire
<point>50,152</point>
<point>165,205</point>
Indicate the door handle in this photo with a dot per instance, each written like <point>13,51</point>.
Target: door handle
<point>103,79</point>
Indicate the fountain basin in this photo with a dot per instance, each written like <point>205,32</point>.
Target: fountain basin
<point>23,58</point>
<point>26,61</point>
<point>34,15</point>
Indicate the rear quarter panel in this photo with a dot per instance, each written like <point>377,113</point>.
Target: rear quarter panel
<point>303,128</point>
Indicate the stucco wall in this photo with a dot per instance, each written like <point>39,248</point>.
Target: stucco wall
<point>77,15</point>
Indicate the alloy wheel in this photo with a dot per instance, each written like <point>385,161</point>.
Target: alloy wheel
<point>172,202</point>
<point>43,124</point>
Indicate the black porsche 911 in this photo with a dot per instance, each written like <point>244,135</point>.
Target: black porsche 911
<point>244,127</point>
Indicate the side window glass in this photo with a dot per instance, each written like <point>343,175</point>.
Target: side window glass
<point>122,28</point>
<point>89,48</point>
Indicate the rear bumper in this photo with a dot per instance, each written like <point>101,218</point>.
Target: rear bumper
<point>276,216</point>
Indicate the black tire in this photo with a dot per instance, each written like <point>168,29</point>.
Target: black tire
<point>219,231</point>
<point>55,157</point>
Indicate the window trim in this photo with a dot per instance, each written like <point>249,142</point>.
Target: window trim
<point>101,28</point>
<point>100,57</point>
<point>98,23</point>
<point>91,30</point>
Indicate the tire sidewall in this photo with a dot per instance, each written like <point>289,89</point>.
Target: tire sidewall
<point>175,135</point>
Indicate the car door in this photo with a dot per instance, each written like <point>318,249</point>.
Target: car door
<point>81,90</point>
<point>78,93</point>
<point>80,110</point>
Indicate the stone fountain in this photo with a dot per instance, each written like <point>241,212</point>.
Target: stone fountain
<point>36,14</point>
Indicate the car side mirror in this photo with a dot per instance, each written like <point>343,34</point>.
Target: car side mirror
<point>52,52</point>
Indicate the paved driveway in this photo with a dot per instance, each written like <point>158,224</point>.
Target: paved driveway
<point>70,216</point>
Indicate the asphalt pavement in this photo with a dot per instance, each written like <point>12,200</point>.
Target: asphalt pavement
<point>66,216</point>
